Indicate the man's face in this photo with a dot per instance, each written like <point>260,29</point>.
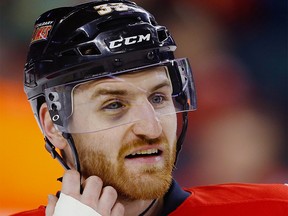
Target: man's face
<point>137,153</point>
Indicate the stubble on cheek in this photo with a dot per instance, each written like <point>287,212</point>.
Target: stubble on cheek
<point>96,163</point>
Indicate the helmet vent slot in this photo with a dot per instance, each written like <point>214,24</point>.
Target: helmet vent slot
<point>162,35</point>
<point>78,38</point>
<point>89,49</point>
<point>70,52</point>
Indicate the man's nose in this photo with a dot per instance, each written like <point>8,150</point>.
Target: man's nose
<point>148,124</point>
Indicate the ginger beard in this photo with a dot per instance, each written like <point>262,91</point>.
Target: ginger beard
<point>146,182</point>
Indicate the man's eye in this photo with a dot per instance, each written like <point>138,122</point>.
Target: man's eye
<point>114,105</point>
<point>157,99</point>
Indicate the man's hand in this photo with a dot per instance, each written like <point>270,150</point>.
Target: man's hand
<point>99,198</point>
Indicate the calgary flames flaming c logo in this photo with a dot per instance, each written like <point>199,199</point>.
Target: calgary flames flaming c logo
<point>41,31</point>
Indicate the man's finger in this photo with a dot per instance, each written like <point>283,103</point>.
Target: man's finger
<point>71,184</point>
<point>52,200</point>
<point>107,200</point>
<point>92,190</point>
<point>118,210</point>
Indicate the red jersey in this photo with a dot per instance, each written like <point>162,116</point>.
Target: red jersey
<point>236,200</point>
<point>224,200</point>
<point>36,212</point>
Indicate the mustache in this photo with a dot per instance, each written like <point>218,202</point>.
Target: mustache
<point>162,140</point>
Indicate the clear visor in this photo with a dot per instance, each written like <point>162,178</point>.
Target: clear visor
<point>115,100</point>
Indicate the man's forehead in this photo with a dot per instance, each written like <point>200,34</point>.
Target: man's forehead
<point>141,75</point>
<point>147,77</point>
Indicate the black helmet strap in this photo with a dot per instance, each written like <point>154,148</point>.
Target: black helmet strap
<point>55,155</point>
<point>182,135</point>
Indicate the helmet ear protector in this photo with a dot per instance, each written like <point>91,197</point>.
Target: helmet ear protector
<point>97,40</point>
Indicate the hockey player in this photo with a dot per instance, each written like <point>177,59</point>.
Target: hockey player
<point>107,91</point>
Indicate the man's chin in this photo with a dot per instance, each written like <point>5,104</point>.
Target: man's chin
<point>144,187</point>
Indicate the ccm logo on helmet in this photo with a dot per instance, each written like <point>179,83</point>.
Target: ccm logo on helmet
<point>129,40</point>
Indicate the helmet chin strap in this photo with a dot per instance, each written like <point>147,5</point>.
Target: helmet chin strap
<point>182,135</point>
<point>70,141</point>
<point>55,155</point>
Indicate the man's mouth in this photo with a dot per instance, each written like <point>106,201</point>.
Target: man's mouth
<point>145,153</point>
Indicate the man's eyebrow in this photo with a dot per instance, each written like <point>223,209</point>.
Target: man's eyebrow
<point>109,92</point>
<point>124,92</point>
<point>165,83</point>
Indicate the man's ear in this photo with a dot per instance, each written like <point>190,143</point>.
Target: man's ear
<point>49,129</point>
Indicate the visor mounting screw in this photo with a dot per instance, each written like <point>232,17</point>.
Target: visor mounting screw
<point>150,55</point>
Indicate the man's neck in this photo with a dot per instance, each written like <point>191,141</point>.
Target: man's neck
<point>137,207</point>
<point>174,197</point>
